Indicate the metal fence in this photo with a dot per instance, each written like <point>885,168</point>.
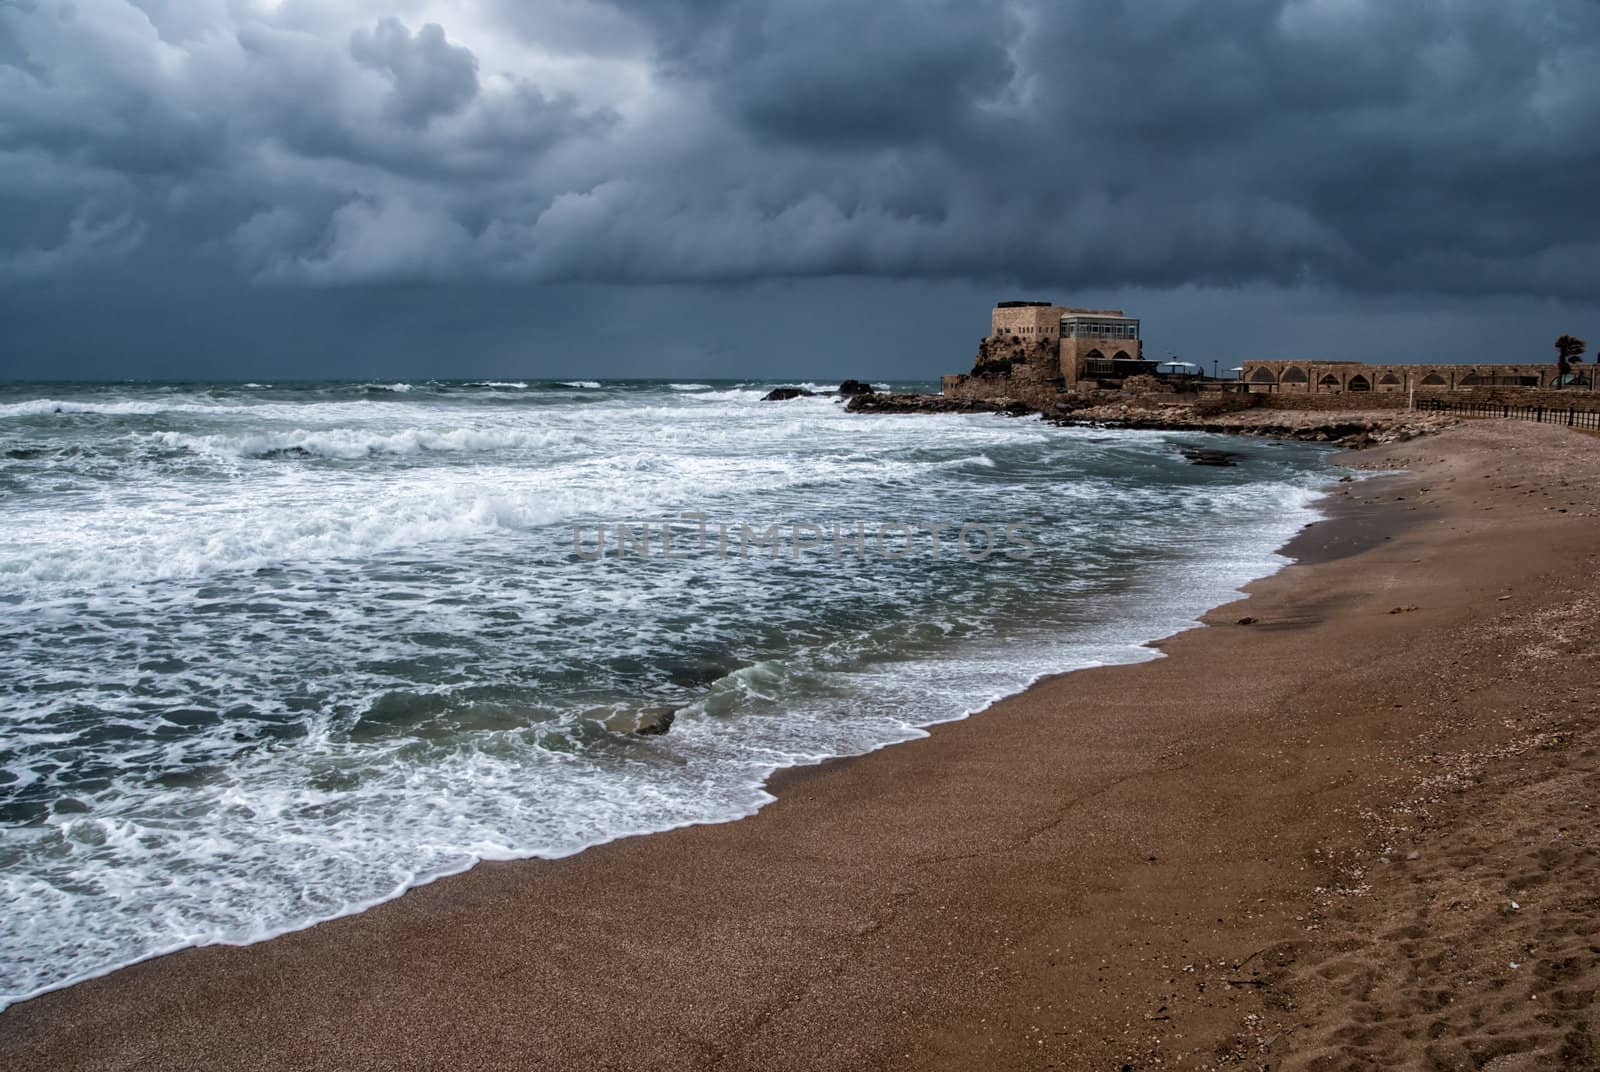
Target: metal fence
<point>1571,416</point>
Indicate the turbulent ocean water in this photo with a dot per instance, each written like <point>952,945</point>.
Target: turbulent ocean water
<point>273,653</point>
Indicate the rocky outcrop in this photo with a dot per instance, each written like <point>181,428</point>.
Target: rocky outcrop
<point>881,403</point>
<point>783,394</point>
<point>1347,429</point>
<point>1228,414</point>
<point>847,389</point>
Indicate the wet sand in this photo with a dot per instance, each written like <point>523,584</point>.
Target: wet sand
<point>1354,833</point>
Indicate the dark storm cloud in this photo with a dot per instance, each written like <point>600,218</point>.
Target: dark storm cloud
<point>837,72</point>
<point>1355,145</point>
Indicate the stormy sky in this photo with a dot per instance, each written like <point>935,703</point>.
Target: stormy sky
<point>241,188</point>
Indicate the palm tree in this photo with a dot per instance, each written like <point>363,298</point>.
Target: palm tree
<point>1569,349</point>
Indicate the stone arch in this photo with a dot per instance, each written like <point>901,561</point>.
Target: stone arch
<point>1389,379</point>
<point>1329,380</point>
<point>1472,379</point>
<point>1094,355</point>
<point>1433,379</point>
<point>1358,382</point>
<point>1263,375</point>
<point>1121,355</point>
<point>1295,374</point>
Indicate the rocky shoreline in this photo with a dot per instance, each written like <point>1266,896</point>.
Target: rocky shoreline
<point>1229,414</point>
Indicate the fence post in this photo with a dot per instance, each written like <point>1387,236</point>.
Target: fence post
<point>1571,410</point>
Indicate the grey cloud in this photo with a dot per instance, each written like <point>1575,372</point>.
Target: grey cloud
<point>431,76</point>
<point>1355,145</point>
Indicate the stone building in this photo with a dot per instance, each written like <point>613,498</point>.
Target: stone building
<point>1086,344</point>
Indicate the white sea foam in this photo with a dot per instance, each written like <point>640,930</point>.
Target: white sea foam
<point>592,385</point>
<point>189,406</point>
<point>130,543</point>
<point>350,444</point>
<point>38,407</point>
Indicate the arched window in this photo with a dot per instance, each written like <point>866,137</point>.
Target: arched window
<point>1094,355</point>
<point>1358,382</point>
<point>1330,380</point>
<point>1121,355</point>
<point>1389,379</point>
<point>1263,375</point>
<point>1295,374</point>
<point>1433,379</point>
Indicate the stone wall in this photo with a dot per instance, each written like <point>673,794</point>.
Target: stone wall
<point>1337,377</point>
<point>1331,403</point>
<point>1499,396</point>
<point>1565,398</point>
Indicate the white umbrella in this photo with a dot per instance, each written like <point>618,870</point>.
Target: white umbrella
<point>1181,364</point>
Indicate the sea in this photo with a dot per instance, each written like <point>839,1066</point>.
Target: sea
<point>271,653</point>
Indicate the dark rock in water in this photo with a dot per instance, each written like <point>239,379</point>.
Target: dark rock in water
<point>1210,456</point>
<point>880,403</point>
<point>655,721</point>
<point>697,675</point>
<point>1247,620</point>
<point>783,394</point>
<point>855,387</point>
<point>645,722</point>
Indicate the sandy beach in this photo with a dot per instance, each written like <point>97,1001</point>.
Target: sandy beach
<point>1346,824</point>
